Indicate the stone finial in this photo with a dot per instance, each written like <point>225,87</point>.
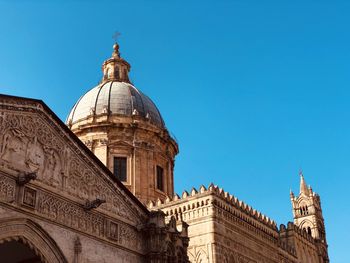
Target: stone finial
<point>116,53</point>
<point>291,194</point>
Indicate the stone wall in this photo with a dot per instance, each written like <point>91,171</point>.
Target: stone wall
<point>225,229</point>
<point>54,191</point>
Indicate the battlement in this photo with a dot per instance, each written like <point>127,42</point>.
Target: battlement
<point>247,214</point>
<point>297,231</point>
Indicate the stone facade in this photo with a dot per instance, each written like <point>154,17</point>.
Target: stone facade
<point>221,228</point>
<point>225,229</point>
<point>61,197</point>
<point>61,201</point>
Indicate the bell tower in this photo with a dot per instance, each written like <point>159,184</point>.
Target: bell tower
<point>307,213</point>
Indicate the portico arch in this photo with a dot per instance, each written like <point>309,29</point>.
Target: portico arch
<point>32,235</point>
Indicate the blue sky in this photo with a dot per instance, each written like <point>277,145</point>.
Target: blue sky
<point>252,90</point>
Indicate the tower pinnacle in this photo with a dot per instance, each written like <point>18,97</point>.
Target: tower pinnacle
<point>303,187</point>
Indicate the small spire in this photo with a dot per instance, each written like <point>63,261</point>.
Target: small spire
<point>303,186</point>
<point>291,194</point>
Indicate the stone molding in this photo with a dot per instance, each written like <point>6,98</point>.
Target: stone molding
<point>65,175</point>
<point>72,215</point>
<point>31,234</point>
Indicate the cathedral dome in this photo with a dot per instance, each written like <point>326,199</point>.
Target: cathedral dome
<point>115,95</point>
<point>115,98</point>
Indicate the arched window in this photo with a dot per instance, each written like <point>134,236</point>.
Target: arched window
<point>309,230</point>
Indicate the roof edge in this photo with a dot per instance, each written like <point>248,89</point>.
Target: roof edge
<point>70,134</point>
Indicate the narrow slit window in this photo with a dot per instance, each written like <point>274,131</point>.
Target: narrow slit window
<point>160,178</point>
<point>119,168</point>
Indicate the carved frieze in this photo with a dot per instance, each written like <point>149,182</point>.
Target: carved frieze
<point>129,237</point>
<point>69,214</point>
<point>29,144</point>
<point>26,145</point>
<point>7,189</point>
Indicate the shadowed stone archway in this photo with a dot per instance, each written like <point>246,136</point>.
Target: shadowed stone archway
<point>17,252</point>
<point>31,239</point>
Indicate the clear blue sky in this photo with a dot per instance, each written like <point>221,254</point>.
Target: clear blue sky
<point>252,90</point>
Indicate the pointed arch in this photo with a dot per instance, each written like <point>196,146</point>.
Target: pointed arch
<point>201,257</point>
<point>308,226</point>
<point>34,236</point>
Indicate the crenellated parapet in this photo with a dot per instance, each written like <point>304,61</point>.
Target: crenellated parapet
<point>214,201</point>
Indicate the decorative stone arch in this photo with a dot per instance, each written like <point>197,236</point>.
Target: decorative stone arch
<point>201,257</point>
<point>32,235</point>
<point>308,226</point>
<point>191,256</point>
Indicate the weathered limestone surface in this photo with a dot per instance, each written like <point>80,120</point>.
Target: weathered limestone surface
<point>53,187</point>
<point>59,197</point>
<point>225,229</point>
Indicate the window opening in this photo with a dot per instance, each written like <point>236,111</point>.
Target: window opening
<point>160,179</point>
<point>119,168</point>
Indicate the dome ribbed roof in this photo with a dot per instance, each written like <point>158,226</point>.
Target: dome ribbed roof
<point>115,98</point>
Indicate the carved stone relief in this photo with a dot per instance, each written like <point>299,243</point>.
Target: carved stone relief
<point>28,144</point>
<point>129,237</point>
<point>70,215</point>
<point>7,189</point>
